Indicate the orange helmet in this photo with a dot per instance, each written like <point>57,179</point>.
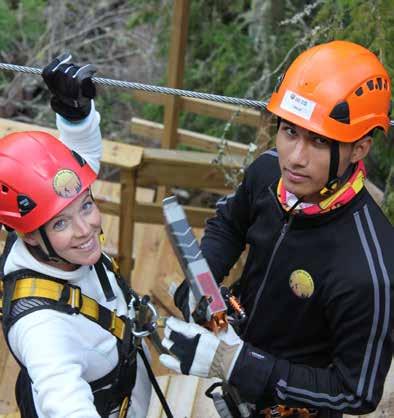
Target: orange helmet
<point>39,177</point>
<point>339,90</point>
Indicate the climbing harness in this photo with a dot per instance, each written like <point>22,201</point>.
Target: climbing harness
<point>27,291</point>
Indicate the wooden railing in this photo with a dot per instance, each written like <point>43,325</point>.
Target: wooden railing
<point>147,167</point>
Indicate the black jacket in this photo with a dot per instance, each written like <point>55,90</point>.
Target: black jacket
<point>317,290</point>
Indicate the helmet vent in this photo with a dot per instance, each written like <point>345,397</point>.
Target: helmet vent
<point>341,113</point>
<point>25,204</point>
<point>79,159</point>
<point>4,189</point>
<point>370,84</point>
<point>380,84</point>
<point>359,91</point>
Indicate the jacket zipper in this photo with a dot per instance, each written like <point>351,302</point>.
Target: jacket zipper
<point>282,234</point>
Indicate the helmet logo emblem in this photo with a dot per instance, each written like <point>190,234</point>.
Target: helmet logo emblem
<point>67,184</point>
<point>301,283</point>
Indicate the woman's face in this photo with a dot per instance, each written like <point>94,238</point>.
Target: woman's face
<point>74,233</point>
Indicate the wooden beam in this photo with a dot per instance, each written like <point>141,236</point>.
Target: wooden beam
<point>153,213</point>
<point>126,225</point>
<point>197,140</point>
<point>183,169</point>
<point>175,70</point>
<point>214,110</point>
<point>237,114</point>
<point>149,97</point>
<point>110,208</point>
<point>123,156</point>
<point>115,153</point>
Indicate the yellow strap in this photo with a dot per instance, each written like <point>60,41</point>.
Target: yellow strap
<point>49,289</point>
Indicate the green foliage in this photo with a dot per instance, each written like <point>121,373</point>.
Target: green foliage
<point>7,25</point>
<point>24,20</point>
<point>369,23</point>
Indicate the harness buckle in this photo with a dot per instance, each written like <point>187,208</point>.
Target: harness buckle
<point>113,320</point>
<point>75,299</point>
<point>124,407</point>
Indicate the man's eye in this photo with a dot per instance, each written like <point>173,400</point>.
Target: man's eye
<point>290,131</point>
<point>320,141</point>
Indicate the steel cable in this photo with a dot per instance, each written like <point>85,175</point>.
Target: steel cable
<point>256,104</point>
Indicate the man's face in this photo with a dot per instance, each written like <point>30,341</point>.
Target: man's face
<point>304,159</point>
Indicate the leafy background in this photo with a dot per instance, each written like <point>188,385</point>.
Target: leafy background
<point>236,48</point>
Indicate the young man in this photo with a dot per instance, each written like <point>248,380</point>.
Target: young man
<point>67,315</point>
<point>318,281</point>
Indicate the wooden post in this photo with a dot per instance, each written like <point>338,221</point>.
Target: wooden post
<point>175,70</point>
<point>128,187</point>
<point>176,65</point>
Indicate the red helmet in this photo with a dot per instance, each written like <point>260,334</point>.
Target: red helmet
<point>339,90</point>
<point>39,177</point>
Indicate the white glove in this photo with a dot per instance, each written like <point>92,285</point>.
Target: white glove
<point>198,351</point>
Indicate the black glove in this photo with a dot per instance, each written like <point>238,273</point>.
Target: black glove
<point>181,299</point>
<point>71,86</point>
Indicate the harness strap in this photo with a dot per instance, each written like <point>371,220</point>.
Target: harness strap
<point>70,297</point>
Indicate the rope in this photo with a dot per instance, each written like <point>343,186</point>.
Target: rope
<point>256,104</point>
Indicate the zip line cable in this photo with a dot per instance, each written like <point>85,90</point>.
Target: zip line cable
<point>256,104</point>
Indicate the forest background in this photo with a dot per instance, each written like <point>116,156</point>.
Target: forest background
<point>236,48</point>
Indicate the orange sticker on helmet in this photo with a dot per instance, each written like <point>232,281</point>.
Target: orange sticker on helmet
<point>301,284</point>
<point>67,184</point>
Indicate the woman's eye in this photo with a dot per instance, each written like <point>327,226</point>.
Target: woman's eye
<point>87,206</point>
<point>59,225</point>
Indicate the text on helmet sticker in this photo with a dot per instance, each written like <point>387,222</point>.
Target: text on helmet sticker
<point>298,105</point>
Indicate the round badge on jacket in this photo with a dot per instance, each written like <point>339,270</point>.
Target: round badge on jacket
<point>67,184</point>
<point>301,284</point>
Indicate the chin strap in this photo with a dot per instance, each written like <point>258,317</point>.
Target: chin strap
<point>51,254</point>
<point>334,182</point>
<point>103,279</point>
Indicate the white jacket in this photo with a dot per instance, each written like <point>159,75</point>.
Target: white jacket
<point>63,352</point>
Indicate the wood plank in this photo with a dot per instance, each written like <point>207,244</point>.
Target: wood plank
<point>116,154</point>
<point>185,396</point>
<point>153,213</point>
<point>183,169</point>
<point>197,140</point>
<point>181,394</point>
<point>155,408</point>
<point>181,158</point>
<point>175,70</point>
<point>238,115</point>
<point>8,377</point>
<point>224,111</point>
<point>128,188</point>
<point>203,406</point>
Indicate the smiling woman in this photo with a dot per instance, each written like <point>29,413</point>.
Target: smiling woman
<point>67,314</point>
<point>74,233</point>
